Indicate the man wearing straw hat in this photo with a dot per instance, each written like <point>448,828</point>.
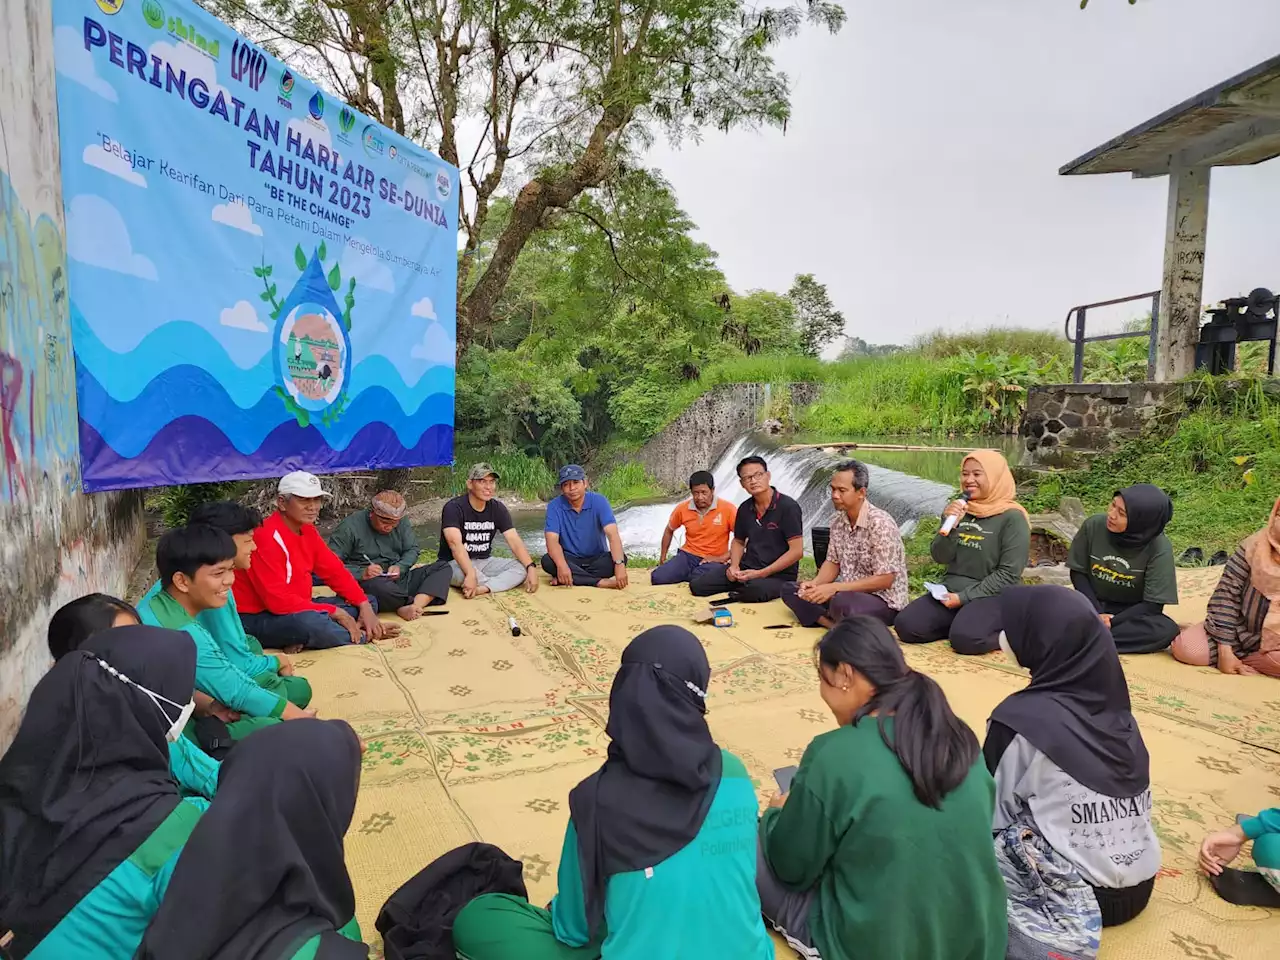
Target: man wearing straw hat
<point>380,549</point>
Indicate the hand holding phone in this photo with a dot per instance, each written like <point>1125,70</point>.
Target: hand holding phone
<point>784,776</point>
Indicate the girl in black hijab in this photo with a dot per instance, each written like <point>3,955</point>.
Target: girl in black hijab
<point>659,855</point>
<point>263,876</point>
<point>90,819</point>
<point>1123,564</point>
<point>1068,758</point>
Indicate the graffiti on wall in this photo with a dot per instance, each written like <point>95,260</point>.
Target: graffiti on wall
<point>37,373</point>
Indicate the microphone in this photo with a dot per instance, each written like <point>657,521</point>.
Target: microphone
<point>515,627</point>
<point>949,524</point>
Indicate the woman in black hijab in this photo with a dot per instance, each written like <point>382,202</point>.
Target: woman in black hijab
<point>1123,564</point>
<point>263,876</point>
<point>659,854</point>
<point>1068,758</point>
<point>90,819</point>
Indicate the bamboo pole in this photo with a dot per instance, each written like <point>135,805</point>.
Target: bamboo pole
<point>899,447</point>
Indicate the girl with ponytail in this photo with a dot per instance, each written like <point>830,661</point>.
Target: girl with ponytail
<point>884,838</point>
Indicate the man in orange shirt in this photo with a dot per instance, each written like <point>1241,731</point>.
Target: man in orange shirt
<point>707,522</point>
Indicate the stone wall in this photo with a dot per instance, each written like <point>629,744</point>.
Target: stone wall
<point>696,439</point>
<point>1065,423</point>
<point>57,544</point>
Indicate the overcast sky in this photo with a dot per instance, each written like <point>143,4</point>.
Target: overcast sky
<point>918,176</point>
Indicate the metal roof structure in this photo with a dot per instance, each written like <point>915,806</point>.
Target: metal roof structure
<point>1235,123</point>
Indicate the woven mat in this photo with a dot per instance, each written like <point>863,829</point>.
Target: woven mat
<point>471,733</point>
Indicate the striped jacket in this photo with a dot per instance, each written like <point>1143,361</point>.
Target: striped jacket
<point>1236,610</point>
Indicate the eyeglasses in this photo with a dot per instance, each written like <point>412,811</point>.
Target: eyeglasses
<point>752,477</point>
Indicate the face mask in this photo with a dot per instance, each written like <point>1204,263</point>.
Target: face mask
<point>1008,650</point>
<point>184,711</point>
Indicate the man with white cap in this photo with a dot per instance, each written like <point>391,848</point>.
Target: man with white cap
<point>381,550</point>
<point>468,526</point>
<point>274,594</point>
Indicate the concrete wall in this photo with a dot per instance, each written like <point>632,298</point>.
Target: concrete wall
<point>57,543</point>
<point>696,439</point>
<point>1065,423</point>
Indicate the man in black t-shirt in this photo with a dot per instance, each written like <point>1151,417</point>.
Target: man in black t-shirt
<point>768,541</point>
<point>468,525</point>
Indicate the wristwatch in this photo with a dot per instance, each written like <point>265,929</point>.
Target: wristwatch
<point>531,565</point>
<point>622,562</point>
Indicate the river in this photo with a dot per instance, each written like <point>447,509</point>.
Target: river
<point>908,484</point>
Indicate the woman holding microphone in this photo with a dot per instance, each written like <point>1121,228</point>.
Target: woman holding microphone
<point>984,541</point>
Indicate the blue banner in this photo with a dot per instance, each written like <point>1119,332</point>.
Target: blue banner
<point>261,278</point>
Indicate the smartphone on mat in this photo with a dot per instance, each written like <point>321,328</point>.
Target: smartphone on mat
<point>784,776</point>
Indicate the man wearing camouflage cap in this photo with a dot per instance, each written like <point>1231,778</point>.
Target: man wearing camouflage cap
<point>468,525</point>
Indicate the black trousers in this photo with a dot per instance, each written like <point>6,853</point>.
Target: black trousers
<point>1141,632</point>
<point>587,571</point>
<point>711,578</point>
<point>974,628</point>
<point>431,579</point>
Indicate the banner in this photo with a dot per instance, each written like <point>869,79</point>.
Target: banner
<point>261,279</point>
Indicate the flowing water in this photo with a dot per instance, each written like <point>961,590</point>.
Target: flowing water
<point>907,484</point>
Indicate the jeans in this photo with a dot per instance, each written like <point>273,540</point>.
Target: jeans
<point>311,628</point>
<point>679,569</point>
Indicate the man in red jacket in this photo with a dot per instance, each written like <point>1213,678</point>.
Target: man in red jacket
<point>274,594</point>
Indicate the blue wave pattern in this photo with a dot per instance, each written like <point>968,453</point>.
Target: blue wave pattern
<point>187,391</point>
<point>193,450</point>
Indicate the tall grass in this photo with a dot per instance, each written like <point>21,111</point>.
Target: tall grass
<point>1041,345</point>
<point>626,483</point>
<point>528,477</point>
<point>1219,461</point>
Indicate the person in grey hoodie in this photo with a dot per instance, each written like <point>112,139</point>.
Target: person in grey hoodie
<point>1068,758</point>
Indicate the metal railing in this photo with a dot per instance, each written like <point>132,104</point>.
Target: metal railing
<point>1080,314</point>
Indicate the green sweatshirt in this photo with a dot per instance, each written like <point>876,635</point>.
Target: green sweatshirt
<point>357,544</point>
<point>894,877</point>
<point>215,674</point>
<point>226,629</point>
<point>983,556</point>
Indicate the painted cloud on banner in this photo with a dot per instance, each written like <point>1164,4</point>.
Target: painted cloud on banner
<point>242,316</point>
<point>110,163</point>
<point>74,62</point>
<point>236,214</point>
<point>97,235</point>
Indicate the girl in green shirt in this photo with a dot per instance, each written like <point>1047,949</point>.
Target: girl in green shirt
<point>263,876</point>
<point>882,847</point>
<point>91,822</point>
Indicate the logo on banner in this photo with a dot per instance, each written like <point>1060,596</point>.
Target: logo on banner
<point>110,7</point>
<point>391,151</point>
<point>248,65</point>
<point>372,141</point>
<point>444,186</point>
<point>153,13</point>
<point>285,96</point>
<point>188,35</point>
<point>315,106</point>
<point>346,121</point>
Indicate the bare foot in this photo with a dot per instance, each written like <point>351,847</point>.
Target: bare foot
<point>390,630</point>
<point>293,648</point>
<point>608,583</point>
<point>826,622</point>
<point>409,611</point>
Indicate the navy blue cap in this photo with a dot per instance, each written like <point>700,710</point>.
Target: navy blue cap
<point>571,472</point>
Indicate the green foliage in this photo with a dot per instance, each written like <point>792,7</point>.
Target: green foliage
<point>817,319</point>
<point>1219,461</point>
<point>625,484</point>
<point>176,503</point>
<point>1039,345</point>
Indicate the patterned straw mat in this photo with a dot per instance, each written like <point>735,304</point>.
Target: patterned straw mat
<point>474,734</point>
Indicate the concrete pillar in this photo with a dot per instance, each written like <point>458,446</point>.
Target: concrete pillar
<point>1183,285</point>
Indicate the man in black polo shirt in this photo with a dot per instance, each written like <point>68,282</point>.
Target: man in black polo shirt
<point>768,541</point>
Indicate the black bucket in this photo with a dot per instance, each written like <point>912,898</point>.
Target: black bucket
<point>821,538</point>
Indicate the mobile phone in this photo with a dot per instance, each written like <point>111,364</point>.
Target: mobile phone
<point>784,776</point>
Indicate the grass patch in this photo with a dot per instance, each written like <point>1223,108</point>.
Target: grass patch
<point>625,484</point>
<point>528,477</point>
<point>1220,463</point>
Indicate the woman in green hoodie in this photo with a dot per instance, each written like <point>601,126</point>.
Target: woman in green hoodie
<point>882,847</point>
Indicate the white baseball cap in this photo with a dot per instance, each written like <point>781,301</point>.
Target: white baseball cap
<point>301,484</point>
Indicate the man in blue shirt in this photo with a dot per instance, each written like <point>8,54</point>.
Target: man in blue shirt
<point>583,545</point>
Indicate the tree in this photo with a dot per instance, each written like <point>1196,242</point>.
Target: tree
<point>818,321</point>
<point>564,92</point>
